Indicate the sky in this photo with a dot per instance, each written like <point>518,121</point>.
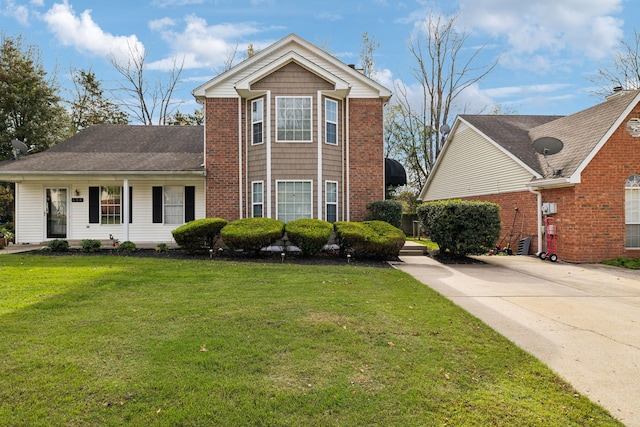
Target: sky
<point>546,50</point>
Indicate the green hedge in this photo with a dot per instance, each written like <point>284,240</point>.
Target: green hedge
<point>91,245</point>
<point>461,227</point>
<point>385,210</point>
<point>369,239</point>
<point>199,235</point>
<point>309,235</point>
<point>252,234</point>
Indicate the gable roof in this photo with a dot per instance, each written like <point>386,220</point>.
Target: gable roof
<point>292,49</point>
<point>584,133</point>
<point>511,133</point>
<point>118,149</point>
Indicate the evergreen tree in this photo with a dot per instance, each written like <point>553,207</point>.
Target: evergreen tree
<point>30,108</point>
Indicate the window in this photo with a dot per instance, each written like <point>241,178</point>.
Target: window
<point>110,205</point>
<point>257,118</point>
<point>331,121</point>
<point>105,205</point>
<point>293,119</point>
<point>257,199</point>
<point>293,200</point>
<point>173,204</point>
<point>632,211</point>
<point>331,197</point>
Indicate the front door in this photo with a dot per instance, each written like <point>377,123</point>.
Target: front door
<point>56,206</point>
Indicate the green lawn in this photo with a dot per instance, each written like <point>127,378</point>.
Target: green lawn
<point>112,341</point>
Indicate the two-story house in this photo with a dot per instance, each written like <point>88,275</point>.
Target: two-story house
<point>291,132</point>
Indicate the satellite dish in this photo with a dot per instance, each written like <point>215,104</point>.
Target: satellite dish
<point>547,146</point>
<point>445,129</point>
<point>19,147</point>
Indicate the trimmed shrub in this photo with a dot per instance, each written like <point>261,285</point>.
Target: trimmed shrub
<point>127,246</point>
<point>310,235</point>
<point>369,239</point>
<point>461,227</point>
<point>385,210</point>
<point>58,245</point>
<point>199,235</point>
<point>91,245</point>
<point>252,234</point>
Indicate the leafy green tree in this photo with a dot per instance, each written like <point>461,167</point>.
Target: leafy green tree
<point>30,107</point>
<point>181,119</point>
<point>89,106</point>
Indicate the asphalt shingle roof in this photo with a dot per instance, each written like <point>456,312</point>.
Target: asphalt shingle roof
<point>580,133</point>
<point>119,148</point>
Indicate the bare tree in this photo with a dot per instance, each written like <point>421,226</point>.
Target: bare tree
<point>444,68</point>
<point>146,101</point>
<point>367,50</point>
<point>625,70</point>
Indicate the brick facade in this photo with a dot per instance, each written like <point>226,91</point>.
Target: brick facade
<point>221,158</point>
<point>366,155</point>
<point>591,216</point>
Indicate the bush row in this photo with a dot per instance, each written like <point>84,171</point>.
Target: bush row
<point>368,239</point>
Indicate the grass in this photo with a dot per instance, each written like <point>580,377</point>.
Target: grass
<point>631,263</point>
<point>425,241</point>
<point>110,341</point>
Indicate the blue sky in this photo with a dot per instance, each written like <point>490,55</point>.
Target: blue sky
<point>547,48</point>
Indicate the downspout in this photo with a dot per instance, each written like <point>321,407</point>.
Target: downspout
<point>539,216</point>
<point>319,163</point>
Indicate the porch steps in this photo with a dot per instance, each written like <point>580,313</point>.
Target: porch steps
<point>413,249</point>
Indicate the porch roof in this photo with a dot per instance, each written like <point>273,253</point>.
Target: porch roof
<point>118,148</point>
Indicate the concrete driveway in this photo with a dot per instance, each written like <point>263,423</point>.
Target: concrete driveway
<point>581,320</point>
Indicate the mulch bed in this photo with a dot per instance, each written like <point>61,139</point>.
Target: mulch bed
<point>264,257</point>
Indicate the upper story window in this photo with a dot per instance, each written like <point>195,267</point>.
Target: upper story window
<point>331,121</point>
<point>632,211</point>
<point>257,120</point>
<point>293,119</point>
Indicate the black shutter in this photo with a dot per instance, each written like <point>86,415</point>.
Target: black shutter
<point>189,203</point>
<point>94,205</point>
<point>157,204</point>
<point>130,205</point>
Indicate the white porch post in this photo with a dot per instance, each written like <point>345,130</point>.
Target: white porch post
<point>125,208</point>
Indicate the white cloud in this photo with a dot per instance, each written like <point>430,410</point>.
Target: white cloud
<point>583,27</point>
<point>82,33</point>
<point>10,9</point>
<point>161,24</point>
<point>208,46</point>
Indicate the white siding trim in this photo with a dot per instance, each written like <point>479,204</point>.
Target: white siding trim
<point>320,122</point>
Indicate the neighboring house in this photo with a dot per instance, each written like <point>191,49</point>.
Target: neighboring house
<point>291,132</point>
<point>590,189</point>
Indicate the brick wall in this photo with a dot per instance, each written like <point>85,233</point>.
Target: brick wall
<point>222,162</point>
<point>517,223</point>
<point>591,216</point>
<point>366,152</point>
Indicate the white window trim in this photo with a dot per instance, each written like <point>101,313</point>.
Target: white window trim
<point>635,187</point>
<point>327,121</point>
<point>261,121</point>
<point>310,98</point>
<point>118,205</point>
<point>309,181</point>
<point>253,202</point>
<point>166,205</point>
<point>327,203</point>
